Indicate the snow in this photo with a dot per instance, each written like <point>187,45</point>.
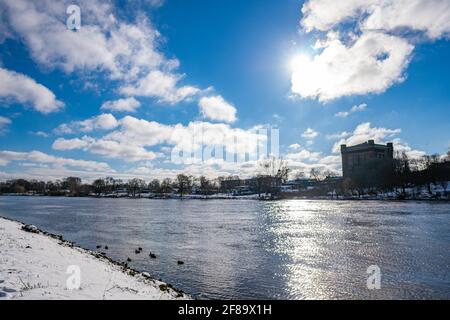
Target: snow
<point>35,266</point>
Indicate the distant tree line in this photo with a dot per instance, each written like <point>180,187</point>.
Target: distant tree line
<point>182,184</point>
<point>74,186</point>
<point>398,175</point>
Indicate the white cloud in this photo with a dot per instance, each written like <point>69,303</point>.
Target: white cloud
<point>42,158</point>
<point>334,162</point>
<point>70,144</point>
<point>377,58</point>
<point>310,134</point>
<point>189,138</point>
<point>102,43</point>
<point>41,134</point>
<point>122,105</point>
<point>133,136</point>
<point>303,163</point>
<point>365,132</point>
<point>295,146</point>
<point>4,124</point>
<point>318,15</point>
<point>128,152</point>
<point>43,172</point>
<point>342,114</point>
<point>304,155</point>
<point>355,108</point>
<point>401,146</point>
<point>429,16</point>
<point>124,51</point>
<point>162,86</point>
<point>371,64</point>
<point>359,108</point>
<point>104,121</point>
<point>19,88</point>
<point>216,108</point>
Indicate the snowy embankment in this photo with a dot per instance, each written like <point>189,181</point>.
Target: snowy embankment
<point>36,265</point>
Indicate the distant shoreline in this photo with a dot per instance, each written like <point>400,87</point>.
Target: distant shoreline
<point>241,198</point>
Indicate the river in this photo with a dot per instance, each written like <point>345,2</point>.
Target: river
<point>244,249</point>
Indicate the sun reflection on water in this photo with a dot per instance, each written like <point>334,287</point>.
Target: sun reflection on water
<point>316,240</point>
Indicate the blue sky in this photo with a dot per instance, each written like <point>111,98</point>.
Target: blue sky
<point>232,66</point>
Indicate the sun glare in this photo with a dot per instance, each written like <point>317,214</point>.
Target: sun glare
<point>299,62</point>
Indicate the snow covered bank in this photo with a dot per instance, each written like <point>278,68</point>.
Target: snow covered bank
<point>35,265</point>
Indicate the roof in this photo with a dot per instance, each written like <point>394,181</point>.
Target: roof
<point>366,146</point>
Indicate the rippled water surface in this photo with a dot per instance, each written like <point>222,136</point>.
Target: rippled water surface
<point>295,249</point>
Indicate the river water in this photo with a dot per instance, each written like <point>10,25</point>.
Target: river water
<point>243,249</point>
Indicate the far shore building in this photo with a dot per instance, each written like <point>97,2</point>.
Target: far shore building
<point>365,157</point>
<point>260,184</point>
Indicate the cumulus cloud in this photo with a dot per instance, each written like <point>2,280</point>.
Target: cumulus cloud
<point>300,164</point>
<point>133,136</point>
<point>17,87</point>
<point>295,146</point>
<point>162,86</point>
<point>371,64</point>
<point>38,157</point>
<point>310,134</point>
<point>375,52</point>
<point>122,105</point>
<point>103,42</point>
<point>124,51</point>
<point>355,108</point>
<point>304,155</point>
<point>401,146</point>
<point>104,121</point>
<point>217,109</point>
<point>108,148</point>
<point>41,134</point>
<point>429,16</point>
<point>318,15</point>
<point>364,132</point>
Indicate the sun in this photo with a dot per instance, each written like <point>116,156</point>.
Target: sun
<point>299,61</point>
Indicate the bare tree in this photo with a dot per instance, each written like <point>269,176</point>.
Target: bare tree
<point>402,170</point>
<point>299,175</point>
<point>206,185</point>
<point>155,186</point>
<point>141,186</point>
<point>315,174</point>
<point>110,184</point>
<point>99,186</point>
<point>184,184</point>
<point>330,174</point>
<point>429,164</point>
<point>275,167</point>
<point>73,184</point>
<point>135,186</point>
<point>166,186</point>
